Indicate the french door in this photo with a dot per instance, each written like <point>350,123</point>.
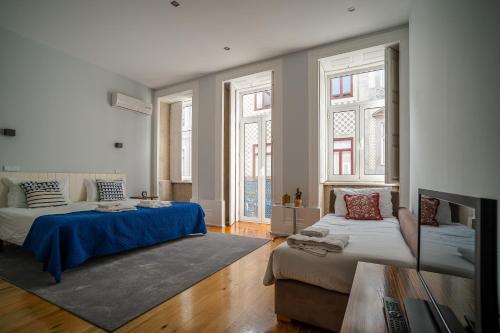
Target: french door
<point>255,168</point>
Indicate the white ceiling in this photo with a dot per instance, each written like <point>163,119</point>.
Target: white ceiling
<point>156,44</point>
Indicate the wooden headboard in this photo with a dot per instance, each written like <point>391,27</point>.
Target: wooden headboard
<point>74,180</point>
<point>394,200</point>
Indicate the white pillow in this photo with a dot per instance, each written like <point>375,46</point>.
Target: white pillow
<point>91,189</point>
<point>385,199</point>
<point>443,215</point>
<point>15,195</point>
<point>63,184</point>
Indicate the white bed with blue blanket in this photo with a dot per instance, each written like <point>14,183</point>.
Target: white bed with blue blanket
<point>65,236</point>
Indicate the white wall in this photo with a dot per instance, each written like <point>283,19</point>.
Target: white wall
<point>295,89</point>
<point>295,118</point>
<point>455,98</point>
<point>60,107</point>
<point>206,138</point>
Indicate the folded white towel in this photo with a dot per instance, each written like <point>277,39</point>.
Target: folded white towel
<point>114,208</point>
<point>315,232</point>
<point>108,204</point>
<point>153,204</point>
<point>319,246</point>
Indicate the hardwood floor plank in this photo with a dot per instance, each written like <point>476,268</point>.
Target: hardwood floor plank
<point>231,300</point>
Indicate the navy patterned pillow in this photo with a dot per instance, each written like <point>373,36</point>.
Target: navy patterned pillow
<point>43,194</point>
<point>110,190</point>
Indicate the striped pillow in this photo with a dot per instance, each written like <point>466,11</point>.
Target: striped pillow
<point>110,190</point>
<point>43,194</point>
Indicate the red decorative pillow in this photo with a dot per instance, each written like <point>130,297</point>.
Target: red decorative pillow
<point>428,211</point>
<point>363,206</point>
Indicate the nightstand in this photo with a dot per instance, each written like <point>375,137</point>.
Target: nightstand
<point>287,220</point>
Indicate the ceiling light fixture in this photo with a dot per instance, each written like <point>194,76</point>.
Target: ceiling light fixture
<point>351,9</point>
<point>227,48</point>
<point>175,3</point>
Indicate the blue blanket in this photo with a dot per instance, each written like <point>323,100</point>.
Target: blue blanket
<point>63,241</point>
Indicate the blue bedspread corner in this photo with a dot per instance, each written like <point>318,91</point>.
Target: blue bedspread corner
<point>63,241</point>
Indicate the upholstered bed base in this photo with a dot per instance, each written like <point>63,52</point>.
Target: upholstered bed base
<point>310,304</point>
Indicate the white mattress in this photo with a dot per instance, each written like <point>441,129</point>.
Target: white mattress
<point>371,241</point>
<point>15,223</point>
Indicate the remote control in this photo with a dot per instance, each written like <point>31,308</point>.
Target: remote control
<point>394,317</point>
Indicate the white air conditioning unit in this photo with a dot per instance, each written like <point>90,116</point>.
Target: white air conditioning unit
<point>125,102</point>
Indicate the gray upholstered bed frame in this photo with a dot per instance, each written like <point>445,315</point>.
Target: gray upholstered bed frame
<point>325,308</point>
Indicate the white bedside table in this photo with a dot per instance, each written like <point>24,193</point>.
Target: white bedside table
<point>301,217</point>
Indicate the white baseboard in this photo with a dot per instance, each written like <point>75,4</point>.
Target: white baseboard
<point>213,212</point>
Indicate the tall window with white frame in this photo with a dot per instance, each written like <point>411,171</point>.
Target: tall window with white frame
<point>186,140</point>
<point>356,125</point>
<point>255,106</point>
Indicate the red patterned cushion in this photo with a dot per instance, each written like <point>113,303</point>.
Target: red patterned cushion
<point>363,206</point>
<point>428,211</point>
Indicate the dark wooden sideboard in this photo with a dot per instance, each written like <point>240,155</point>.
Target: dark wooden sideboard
<point>365,311</point>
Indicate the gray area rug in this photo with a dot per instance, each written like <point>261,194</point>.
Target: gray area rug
<point>110,291</point>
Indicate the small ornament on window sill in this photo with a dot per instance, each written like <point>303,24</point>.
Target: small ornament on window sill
<point>298,198</point>
<point>285,199</point>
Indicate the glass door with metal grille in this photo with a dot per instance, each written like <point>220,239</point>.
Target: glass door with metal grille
<point>255,156</point>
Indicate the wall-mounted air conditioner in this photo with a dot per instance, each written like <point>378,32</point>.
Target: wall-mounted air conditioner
<point>125,102</point>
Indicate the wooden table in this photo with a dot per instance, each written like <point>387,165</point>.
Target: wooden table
<point>365,309</point>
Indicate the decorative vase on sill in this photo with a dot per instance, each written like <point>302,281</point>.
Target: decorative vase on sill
<point>285,199</point>
<point>298,198</point>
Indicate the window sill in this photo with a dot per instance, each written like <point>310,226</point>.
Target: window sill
<point>183,182</point>
<point>358,183</point>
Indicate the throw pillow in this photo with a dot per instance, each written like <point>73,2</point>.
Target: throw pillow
<point>43,194</point>
<point>363,206</point>
<point>110,190</point>
<point>428,211</point>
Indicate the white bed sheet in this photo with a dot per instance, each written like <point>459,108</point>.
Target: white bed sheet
<point>372,241</point>
<point>439,251</point>
<point>15,223</point>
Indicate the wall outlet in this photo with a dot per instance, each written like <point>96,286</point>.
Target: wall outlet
<point>117,171</point>
<point>12,168</point>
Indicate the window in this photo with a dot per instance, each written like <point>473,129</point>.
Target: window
<point>262,100</point>
<point>343,156</point>
<point>356,128</point>
<point>186,129</point>
<point>341,87</point>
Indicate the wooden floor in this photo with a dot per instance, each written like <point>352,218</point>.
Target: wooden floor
<point>231,300</point>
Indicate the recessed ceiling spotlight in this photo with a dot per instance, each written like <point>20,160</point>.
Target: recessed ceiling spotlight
<point>227,48</point>
<point>175,3</point>
<point>351,9</point>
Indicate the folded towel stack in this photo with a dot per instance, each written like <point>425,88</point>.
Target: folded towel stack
<point>154,204</point>
<point>318,246</point>
<point>315,232</point>
<point>113,207</point>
